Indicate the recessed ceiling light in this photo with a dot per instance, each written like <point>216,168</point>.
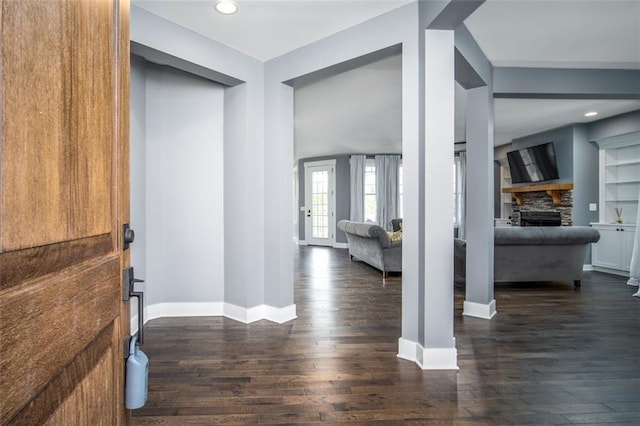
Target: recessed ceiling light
<point>226,7</point>
<point>591,114</point>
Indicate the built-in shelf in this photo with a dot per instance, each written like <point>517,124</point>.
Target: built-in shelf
<point>554,190</point>
<point>623,163</point>
<point>620,182</point>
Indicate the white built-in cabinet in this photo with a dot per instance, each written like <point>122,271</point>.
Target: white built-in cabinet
<point>619,189</point>
<point>505,199</point>
<point>614,249</point>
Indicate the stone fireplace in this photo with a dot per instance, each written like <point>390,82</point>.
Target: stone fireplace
<point>537,204</point>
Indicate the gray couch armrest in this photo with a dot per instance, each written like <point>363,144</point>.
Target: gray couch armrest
<point>366,230</point>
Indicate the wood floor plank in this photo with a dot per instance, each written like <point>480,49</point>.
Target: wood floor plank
<point>552,355</point>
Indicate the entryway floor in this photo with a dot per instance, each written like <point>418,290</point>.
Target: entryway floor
<point>552,355</point>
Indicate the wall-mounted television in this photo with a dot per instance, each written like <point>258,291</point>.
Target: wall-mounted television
<point>534,164</point>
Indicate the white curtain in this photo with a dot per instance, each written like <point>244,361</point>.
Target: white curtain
<point>461,201</point>
<point>387,167</point>
<point>635,256</point>
<point>357,163</point>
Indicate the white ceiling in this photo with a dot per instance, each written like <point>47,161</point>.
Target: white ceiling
<point>521,33</point>
<point>266,29</point>
<point>559,33</point>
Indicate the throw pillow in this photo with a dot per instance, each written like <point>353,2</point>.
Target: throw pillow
<point>395,237</point>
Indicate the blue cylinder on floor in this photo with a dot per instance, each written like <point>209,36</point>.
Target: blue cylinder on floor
<point>137,380</point>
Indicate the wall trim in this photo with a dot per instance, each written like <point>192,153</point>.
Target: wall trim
<point>479,310</point>
<point>611,271</point>
<point>341,245</point>
<point>302,243</point>
<point>587,267</point>
<point>183,309</point>
<point>218,309</point>
<point>407,350</point>
<point>260,312</point>
<point>429,358</point>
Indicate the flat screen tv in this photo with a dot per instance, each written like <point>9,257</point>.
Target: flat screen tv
<point>533,164</point>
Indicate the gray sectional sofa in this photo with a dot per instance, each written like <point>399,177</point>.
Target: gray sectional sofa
<point>370,243</point>
<point>535,253</point>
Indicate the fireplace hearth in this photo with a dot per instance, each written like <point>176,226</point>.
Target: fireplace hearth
<point>540,218</point>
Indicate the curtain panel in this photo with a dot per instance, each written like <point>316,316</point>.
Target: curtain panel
<point>635,255</point>
<point>387,167</point>
<point>461,189</point>
<point>357,164</point>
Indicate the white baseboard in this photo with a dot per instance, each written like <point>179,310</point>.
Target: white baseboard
<point>407,349</point>
<point>611,271</point>
<point>260,312</point>
<point>587,267</point>
<point>341,245</point>
<point>429,358</point>
<point>479,310</point>
<point>302,243</point>
<point>218,309</point>
<point>195,309</point>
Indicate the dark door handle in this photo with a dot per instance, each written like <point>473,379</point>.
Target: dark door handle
<point>128,292</point>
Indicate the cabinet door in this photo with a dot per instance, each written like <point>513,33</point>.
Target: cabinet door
<point>606,252</point>
<point>627,248</point>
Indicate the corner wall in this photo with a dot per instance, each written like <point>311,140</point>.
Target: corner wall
<point>176,186</point>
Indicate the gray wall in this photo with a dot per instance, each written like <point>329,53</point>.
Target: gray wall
<point>176,184</point>
<point>343,193</point>
<point>585,176</point>
<point>618,125</point>
<point>562,139</point>
<point>138,180</point>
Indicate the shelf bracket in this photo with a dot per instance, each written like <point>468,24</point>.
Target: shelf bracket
<point>556,196</point>
<point>519,198</point>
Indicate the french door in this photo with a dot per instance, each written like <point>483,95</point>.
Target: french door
<point>320,203</point>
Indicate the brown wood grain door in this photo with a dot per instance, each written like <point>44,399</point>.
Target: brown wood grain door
<point>64,184</point>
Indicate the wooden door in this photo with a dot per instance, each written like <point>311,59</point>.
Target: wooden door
<point>64,91</point>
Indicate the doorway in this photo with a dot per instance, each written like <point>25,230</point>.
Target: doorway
<point>320,202</point>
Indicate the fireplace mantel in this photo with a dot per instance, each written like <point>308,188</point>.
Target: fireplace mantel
<point>554,190</point>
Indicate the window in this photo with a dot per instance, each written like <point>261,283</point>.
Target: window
<point>370,191</point>
<point>370,203</point>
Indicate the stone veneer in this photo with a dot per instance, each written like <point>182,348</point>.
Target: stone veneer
<point>539,201</point>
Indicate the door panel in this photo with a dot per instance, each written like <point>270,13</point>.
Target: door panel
<point>63,201</point>
<point>44,324</point>
<point>47,405</point>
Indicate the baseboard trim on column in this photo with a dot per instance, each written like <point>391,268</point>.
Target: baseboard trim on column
<point>430,358</point>
<point>260,312</point>
<point>407,350</point>
<point>479,310</point>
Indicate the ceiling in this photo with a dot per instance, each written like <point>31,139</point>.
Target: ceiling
<point>266,29</point>
<point>520,33</point>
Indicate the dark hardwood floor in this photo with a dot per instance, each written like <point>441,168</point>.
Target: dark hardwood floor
<point>552,355</point>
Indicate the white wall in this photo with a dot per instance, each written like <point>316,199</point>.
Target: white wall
<point>184,189</point>
<point>138,179</point>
